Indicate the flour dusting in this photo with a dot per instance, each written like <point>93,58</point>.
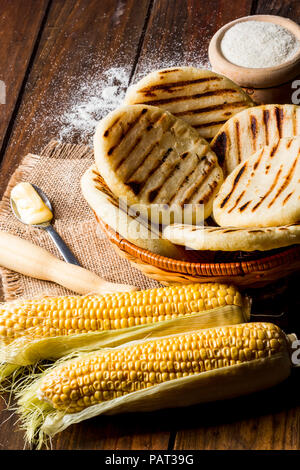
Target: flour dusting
<point>95,97</point>
<point>91,102</point>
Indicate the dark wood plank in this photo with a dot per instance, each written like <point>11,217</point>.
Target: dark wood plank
<point>264,421</point>
<point>288,8</point>
<point>20,23</point>
<point>179,32</point>
<point>80,39</point>
<point>123,432</point>
<point>11,437</point>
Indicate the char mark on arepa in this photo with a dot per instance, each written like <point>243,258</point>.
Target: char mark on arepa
<point>273,185</point>
<point>170,85</point>
<point>208,109</point>
<point>220,146</point>
<point>286,181</point>
<point>108,130</point>
<point>211,187</point>
<point>244,206</point>
<point>254,129</point>
<point>137,186</point>
<point>176,99</point>
<point>235,182</point>
<point>266,117</point>
<point>130,126</point>
<point>256,164</point>
<point>274,149</point>
<point>237,201</point>
<point>164,72</point>
<point>286,198</point>
<point>238,144</point>
<point>209,124</point>
<point>138,139</point>
<point>279,119</point>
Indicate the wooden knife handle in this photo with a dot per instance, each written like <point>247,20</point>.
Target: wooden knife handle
<point>26,258</point>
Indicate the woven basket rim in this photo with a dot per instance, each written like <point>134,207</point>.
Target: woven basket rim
<point>287,255</point>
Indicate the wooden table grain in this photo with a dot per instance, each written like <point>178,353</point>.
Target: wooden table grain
<point>48,47</point>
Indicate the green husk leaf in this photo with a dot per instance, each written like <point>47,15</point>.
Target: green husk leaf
<point>7,370</point>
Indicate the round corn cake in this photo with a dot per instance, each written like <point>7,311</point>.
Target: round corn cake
<point>154,160</point>
<point>204,99</point>
<point>264,190</point>
<point>233,238</point>
<point>121,218</point>
<point>252,129</point>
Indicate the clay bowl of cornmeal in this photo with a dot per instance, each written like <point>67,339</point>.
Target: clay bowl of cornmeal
<point>265,84</point>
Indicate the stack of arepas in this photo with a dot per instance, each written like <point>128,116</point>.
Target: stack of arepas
<point>189,145</point>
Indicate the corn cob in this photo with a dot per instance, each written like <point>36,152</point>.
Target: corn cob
<point>31,330</point>
<point>172,371</point>
<point>61,316</point>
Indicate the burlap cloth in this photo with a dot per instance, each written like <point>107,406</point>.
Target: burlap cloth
<point>57,170</point>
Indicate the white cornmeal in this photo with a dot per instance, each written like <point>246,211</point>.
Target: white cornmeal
<point>258,44</point>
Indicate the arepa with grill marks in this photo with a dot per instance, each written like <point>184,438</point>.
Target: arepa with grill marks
<point>123,219</point>
<point>233,238</point>
<point>204,99</point>
<point>264,190</point>
<point>149,157</point>
<point>253,128</point>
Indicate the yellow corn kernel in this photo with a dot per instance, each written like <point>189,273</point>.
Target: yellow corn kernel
<point>81,314</point>
<point>148,363</point>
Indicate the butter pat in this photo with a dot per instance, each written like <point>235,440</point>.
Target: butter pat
<point>30,206</point>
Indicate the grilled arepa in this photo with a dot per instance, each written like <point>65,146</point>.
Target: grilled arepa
<point>158,162</point>
<point>251,130</point>
<point>122,219</point>
<point>233,238</point>
<point>263,191</point>
<point>204,99</point>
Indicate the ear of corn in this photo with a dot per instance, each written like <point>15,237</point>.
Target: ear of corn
<point>31,330</point>
<point>172,371</point>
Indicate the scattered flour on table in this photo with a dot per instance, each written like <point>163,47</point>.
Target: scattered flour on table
<point>95,97</point>
<point>91,102</point>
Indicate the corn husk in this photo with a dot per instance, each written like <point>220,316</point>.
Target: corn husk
<point>26,350</point>
<point>41,421</point>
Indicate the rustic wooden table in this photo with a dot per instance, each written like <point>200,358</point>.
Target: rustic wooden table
<point>48,48</point>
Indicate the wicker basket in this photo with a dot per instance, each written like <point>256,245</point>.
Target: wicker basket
<point>243,269</point>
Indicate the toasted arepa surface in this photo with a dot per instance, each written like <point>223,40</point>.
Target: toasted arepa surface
<point>252,129</point>
<point>204,99</point>
<point>264,190</point>
<point>121,219</point>
<point>149,157</point>
<point>233,238</point>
